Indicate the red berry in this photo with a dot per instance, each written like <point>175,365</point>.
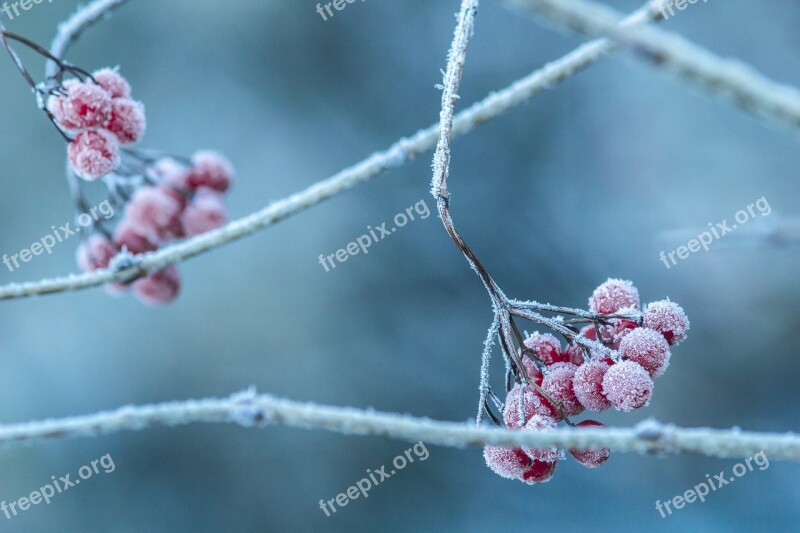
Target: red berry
<point>612,296</point>
<point>133,238</point>
<point>628,386</point>
<point>210,169</point>
<point>95,253</point>
<point>591,458</point>
<point>558,384</point>
<point>126,121</point>
<point>156,213</point>
<point>542,423</point>
<point>669,319</point>
<point>86,105</point>
<point>538,472</point>
<point>648,348</point>
<point>546,347</point>
<point>532,371</point>
<point>113,82</point>
<point>622,326</point>
<point>588,385</point>
<point>533,404</point>
<point>206,212</point>
<point>508,463</point>
<point>167,171</point>
<point>93,154</point>
<point>576,354</point>
<point>159,288</point>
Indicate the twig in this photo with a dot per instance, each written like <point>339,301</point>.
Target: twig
<point>395,156</point>
<point>726,79</point>
<point>249,409</point>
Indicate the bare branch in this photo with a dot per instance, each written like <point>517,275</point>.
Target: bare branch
<point>249,409</point>
<point>725,79</point>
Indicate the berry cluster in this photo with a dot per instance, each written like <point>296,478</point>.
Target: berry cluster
<point>178,201</point>
<point>100,112</point>
<point>565,381</point>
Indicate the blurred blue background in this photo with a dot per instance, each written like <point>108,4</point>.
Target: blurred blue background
<point>555,196</point>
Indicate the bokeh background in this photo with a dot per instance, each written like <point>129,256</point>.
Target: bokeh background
<point>557,195</point>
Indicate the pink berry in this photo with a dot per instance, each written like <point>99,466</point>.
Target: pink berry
<point>133,238</point>
<point>542,423</point>
<point>206,212</point>
<point>612,296</point>
<point>558,384</point>
<point>210,169</point>
<point>622,326</point>
<point>538,472</point>
<point>175,194</point>
<point>588,385</point>
<point>648,348</point>
<point>533,404</point>
<point>95,253</point>
<point>156,213</point>
<point>169,172</point>
<point>113,82</point>
<point>86,105</point>
<point>508,463</point>
<point>591,458</point>
<point>628,386</point>
<point>93,154</point>
<point>546,347</point>
<point>159,288</point>
<point>126,121</point>
<point>576,354</point>
<point>532,371</point>
<point>669,319</point>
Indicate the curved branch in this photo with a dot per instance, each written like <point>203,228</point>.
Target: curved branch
<point>249,409</point>
<point>403,151</point>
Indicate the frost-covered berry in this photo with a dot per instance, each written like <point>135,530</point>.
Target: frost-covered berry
<point>622,326</point>
<point>169,172</point>
<point>613,295</point>
<point>93,154</point>
<point>558,384</point>
<point>159,288</point>
<point>508,463</point>
<point>591,458</point>
<point>538,472</point>
<point>95,253</point>
<point>575,354</point>
<point>628,386</point>
<point>648,348</point>
<point>542,423</point>
<point>133,238</point>
<point>669,319</point>
<point>156,213</point>
<point>86,105</point>
<point>126,121</point>
<point>533,404</point>
<point>210,169</point>
<point>588,385</point>
<point>113,82</point>
<point>206,212</point>
<point>533,372</point>
<point>546,347</point>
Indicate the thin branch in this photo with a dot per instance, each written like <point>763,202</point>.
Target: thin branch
<point>725,79</point>
<point>249,409</point>
<point>395,156</point>
<point>70,30</point>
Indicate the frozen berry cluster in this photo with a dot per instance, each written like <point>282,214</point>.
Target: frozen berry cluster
<point>101,115</point>
<point>566,380</point>
<point>177,201</point>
